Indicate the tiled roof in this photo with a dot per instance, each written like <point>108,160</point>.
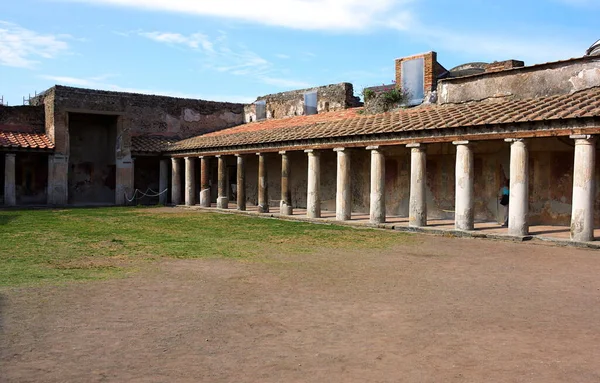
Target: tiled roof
<point>349,123</point>
<point>151,144</point>
<point>24,140</point>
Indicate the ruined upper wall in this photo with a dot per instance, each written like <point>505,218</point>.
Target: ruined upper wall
<point>288,104</point>
<point>30,118</point>
<point>561,77</point>
<point>147,114</point>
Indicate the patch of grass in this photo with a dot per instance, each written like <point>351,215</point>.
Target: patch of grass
<point>81,244</point>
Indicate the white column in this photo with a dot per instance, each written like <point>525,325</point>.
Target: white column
<point>10,193</point>
<point>377,206</point>
<point>418,186</point>
<point>343,195</point>
<point>190,181</point>
<point>285,206</point>
<point>204,181</point>
<point>584,188</point>
<point>518,201</point>
<point>263,184</point>
<point>222,198</point>
<point>163,181</point>
<point>464,204</point>
<point>313,197</point>
<point>175,181</point>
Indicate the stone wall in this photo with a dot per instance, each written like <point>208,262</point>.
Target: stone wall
<point>288,104</point>
<point>21,117</point>
<point>137,114</point>
<point>146,114</point>
<point>527,82</point>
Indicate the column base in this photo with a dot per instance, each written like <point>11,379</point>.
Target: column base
<point>223,203</point>
<point>205,198</point>
<point>263,208</point>
<point>285,209</point>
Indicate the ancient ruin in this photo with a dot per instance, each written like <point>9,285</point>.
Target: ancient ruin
<point>442,152</point>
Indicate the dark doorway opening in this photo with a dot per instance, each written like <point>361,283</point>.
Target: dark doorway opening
<point>92,162</point>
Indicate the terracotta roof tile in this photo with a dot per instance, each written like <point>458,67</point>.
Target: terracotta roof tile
<point>350,123</point>
<point>24,140</point>
<point>151,144</point>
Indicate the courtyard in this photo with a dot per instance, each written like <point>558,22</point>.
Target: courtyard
<point>180,295</point>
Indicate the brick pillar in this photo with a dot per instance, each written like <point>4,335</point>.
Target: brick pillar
<point>263,187</point>
<point>285,206</point>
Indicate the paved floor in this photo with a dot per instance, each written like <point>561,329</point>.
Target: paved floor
<point>543,232</point>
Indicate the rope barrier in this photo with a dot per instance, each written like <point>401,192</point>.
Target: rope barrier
<point>145,194</point>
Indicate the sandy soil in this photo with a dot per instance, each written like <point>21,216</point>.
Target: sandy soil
<point>446,310</point>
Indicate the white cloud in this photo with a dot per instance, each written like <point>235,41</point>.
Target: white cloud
<point>22,48</point>
<point>348,15</point>
<point>195,40</point>
<point>97,82</point>
<point>282,56</point>
<point>217,55</point>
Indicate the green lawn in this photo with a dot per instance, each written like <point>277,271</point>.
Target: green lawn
<point>78,244</point>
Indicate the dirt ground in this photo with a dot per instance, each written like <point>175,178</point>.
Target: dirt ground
<point>444,310</point>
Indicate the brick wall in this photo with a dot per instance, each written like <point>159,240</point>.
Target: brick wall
<point>431,70</point>
<point>503,65</point>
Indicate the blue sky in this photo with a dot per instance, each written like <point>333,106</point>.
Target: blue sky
<point>236,50</point>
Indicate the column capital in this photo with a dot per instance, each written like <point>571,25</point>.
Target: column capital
<point>174,159</point>
<point>260,154</point>
<point>283,152</point>
<point>415,145</point>
<point>461,142</point>
<point>312,152</point>
<point>582,138</point>
<point>514,140</point>
<point>340,149</point>
<point>239,155</point>
<point>373,147</point>
<point>218,156</point>
<point>10,155</point>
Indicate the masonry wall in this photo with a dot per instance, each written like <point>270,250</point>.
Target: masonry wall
<point>527,82</point>
<point>288,104</point>
<point>137,114</point>
<point>19,117</point>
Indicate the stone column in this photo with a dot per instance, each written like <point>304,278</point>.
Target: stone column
<point>418,186</point>
<point>175,181</point>
<point>518,204</point>
<point>204,181</point>
<point>163,181</point>
<point>464,203</point>
<point>58,173</point>
<point>190,181</point>
<point>285,206</point>
<point>125,180</point>
<point>343,194</point>
<point>584,188</point>
<point>10,191</point>
<point>313,197</point>
<point>263,184</point>
<point>222,198</point>
<point>377,210</point>
<point>241,182</point>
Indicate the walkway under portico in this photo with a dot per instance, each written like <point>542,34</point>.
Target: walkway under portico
<point>559,235</point>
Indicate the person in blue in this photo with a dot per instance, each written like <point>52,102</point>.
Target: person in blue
<point>504,199</point>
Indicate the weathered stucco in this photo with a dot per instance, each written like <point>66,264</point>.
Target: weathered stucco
<point>527,82</point>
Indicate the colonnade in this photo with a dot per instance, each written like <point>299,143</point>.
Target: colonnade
<point>582,220</point>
